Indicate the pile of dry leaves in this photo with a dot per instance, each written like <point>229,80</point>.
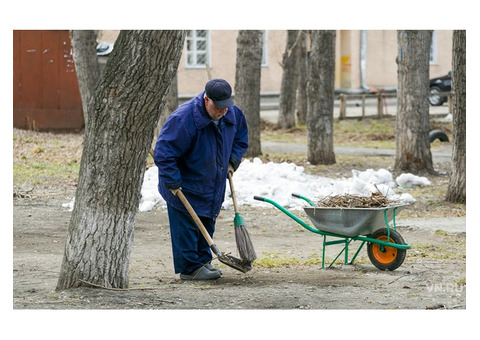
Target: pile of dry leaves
<point>375,200</point>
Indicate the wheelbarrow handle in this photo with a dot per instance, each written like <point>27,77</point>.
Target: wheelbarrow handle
<point>259,198</point>
<point>304,198</point>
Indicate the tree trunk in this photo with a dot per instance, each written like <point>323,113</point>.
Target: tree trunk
<point>84,43</point>
<point>247,85</point>
<point>457,185</point>
<point>171,104</point>
<point>320,91</point>
<point>302,66</point>
<point>123,114</point>
<point>412,151</point>
<point>288,91</point>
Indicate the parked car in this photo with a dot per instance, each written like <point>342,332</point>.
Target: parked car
<point>439,89</point>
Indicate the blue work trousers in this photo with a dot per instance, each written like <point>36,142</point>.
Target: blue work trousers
<point>189,247</point>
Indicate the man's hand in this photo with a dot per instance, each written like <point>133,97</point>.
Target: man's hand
<point>230,169</point>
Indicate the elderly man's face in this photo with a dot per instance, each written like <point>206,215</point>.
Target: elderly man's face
<point>212,110</point>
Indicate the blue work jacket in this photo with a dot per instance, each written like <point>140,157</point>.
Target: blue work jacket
<point>193,153</point>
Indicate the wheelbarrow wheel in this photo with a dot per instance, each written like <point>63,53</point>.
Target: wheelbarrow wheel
<point>385,257</point>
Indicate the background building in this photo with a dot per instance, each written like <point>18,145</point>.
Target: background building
<point>46,95</point>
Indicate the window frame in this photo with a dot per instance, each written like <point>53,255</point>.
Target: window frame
<point>194,52</point>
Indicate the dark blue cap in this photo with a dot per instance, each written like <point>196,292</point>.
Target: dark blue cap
<point>220,92</point>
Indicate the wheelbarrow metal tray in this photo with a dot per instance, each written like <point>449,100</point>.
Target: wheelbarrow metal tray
<point>351,221</point>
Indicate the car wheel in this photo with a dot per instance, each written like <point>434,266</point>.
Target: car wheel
<point>435,98</point>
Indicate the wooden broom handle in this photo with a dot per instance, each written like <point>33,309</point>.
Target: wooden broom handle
<point>234,199</point>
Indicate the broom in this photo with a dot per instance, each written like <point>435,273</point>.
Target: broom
<point>244,243</point>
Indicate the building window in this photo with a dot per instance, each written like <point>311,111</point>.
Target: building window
<point>265,49</point>
<point>434,48</point>
<point>198,48</point>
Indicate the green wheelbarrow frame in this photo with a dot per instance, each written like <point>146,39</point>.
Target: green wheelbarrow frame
<point>345,240</point>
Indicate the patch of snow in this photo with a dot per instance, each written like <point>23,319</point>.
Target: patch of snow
<point>277,181</point>
<point>408,180</point>
<point>69,205</point>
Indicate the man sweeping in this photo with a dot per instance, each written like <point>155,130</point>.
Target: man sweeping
<point>199,144</point>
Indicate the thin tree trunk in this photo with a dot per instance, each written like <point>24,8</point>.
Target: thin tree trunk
<point>412,151</point>
<point>302,65</point>
<point>247,85</point>
<point>457,185</point>
<point>320,91</point>
<point>123,114</point>
<point>171,105</point>
<point>288,91</point>
<point>84,43</point>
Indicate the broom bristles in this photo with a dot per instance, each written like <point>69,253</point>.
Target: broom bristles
<point>244,244</point>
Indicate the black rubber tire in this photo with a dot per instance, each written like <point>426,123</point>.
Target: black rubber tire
<point>397,255</point>
<point>437,134</point>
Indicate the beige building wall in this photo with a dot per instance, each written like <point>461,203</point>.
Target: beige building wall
<point>444,54</point>
<point>381,54</point>
<point>380,64</point>
<point>271,78</point>
<point>223,49</point>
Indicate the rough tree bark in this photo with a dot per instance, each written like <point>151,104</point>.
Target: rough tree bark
<point>171,104</point>
<point>412,152</point>
<point>84,43</point>
<point>288,90</point>
<point>458,179</point>
<point>123,114</point>
<point>320,92</point>
<point>302,66</point>
<point>247,85</point>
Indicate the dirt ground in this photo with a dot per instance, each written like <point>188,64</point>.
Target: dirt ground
<point>286,276</point>
<point>289,275</point>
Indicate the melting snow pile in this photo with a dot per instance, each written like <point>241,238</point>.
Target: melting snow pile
<point>278,181</point>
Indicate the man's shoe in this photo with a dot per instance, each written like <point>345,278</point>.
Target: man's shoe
<point>212,268</point>
<point>201,273</point>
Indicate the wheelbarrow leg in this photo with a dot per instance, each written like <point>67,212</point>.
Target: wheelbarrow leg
<point>323,251</point>
<point>356,254</point>
<point>345,242</point>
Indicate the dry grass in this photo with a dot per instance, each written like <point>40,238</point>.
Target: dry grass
<point>45,163</point>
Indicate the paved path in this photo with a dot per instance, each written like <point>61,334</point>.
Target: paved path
<point>440,154</point>
<point>449,224</point>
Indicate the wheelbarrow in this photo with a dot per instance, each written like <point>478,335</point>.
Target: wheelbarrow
<point>385,246</point>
